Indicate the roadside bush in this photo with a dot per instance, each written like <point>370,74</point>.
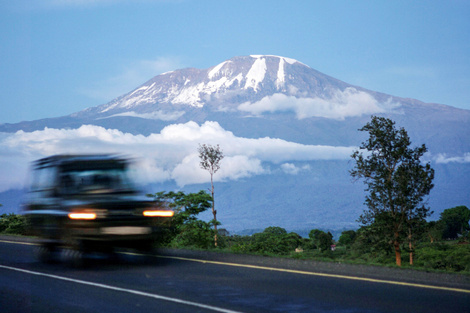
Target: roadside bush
<point>12,224</point>
<point>273,240</point>
<point>186,229</point>
<point>320,240</point>
<point>197,234</point>
<point>444,256</point>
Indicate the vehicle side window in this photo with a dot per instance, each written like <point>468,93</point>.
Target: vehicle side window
<point>43,179</point>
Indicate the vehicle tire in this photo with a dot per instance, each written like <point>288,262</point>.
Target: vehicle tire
<point>45,253</point>
<point>74,257</point>
<point>147,247</point>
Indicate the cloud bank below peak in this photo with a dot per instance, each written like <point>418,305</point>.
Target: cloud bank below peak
<point>168,155</point>
<point>342,104</point>
<point>171,155</point>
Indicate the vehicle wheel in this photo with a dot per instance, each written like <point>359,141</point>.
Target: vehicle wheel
<point>74,254</point>
<point>147,247</point>
<point>74,257</point>
<point>45,253</point>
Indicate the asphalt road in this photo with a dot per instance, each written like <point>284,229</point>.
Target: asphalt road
<point>186,281</point>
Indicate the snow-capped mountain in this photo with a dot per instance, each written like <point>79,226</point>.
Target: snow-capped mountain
<point>261,95</point>
<point>238,79</point>
<point>242,84</point>
<point>277,99</point>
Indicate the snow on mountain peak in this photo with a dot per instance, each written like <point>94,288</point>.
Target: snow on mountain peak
<point>288,60</point>
<point>281,76</point>
<point>216,69</point>
<point>256,74</point>
<point>259,68</point>
<point>245,76</point>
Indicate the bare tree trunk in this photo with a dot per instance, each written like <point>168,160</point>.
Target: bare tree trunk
<point>398,256</point>
<point>214,212</point>
<point>411,247</point>
<point>396,244</point>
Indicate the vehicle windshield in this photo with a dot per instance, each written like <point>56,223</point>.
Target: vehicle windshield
<point>110,180</point>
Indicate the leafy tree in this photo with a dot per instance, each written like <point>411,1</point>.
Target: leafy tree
<point>370,244</point>
<point>313,233</point>
<point>433,231</point>
<point>320,239</point>
<point>273,240</point>
<point>275,231</point>
<point>185,221</point>
<point>325,240</point>
<point>347,237</point>
<point>210,160</point>
<point>198,234</point>
<point>417,228</point>
<point>455,222</point>
<point>395,178</point>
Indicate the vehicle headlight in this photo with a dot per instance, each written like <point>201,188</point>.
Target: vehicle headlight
<point>87,213</point>
<point>158,213</point>
<point>82,215</point>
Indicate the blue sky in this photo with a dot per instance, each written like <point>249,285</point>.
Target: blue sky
<point>61,56</point>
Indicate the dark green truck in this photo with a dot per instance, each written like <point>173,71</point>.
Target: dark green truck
<point>87,203</point>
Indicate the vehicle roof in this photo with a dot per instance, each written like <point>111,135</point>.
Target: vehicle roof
<point>59,159</point>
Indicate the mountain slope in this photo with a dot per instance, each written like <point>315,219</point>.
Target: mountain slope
<point>257,100</point>
<point>270,96</point>
<point>225,85</point>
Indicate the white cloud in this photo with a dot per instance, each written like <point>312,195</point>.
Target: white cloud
<point>347,103</point>
<point>171,154</point>
<point>13,164</point>
<point>132,75</point>
<point>240,166</point>
<point>292,169</point>
<point>231,168</point>
<point>442,158</point>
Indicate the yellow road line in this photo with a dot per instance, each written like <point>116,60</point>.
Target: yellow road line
<point>20,242</point>
<point>372,280</point>
<point>382,281</point>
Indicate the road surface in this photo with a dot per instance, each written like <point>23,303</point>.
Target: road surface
<point>178,281</point>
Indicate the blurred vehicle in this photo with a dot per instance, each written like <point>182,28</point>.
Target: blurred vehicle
<point>87,203</point>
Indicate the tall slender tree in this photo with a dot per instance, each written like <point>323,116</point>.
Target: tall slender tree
<point>396,181</point>
<point>210,161</point>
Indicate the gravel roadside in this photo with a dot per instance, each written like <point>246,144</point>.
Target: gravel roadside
<point>450,280</point>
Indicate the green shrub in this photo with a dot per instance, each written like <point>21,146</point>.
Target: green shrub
<point>196,234</point>
<point>12,224</point>
<point>320,240</point>
<point>273,240</point>
<point>347,238</point>
<point>186,229</point>
<point>442,256</point>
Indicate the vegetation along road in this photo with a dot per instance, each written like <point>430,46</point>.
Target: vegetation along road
<point>191,281</point>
